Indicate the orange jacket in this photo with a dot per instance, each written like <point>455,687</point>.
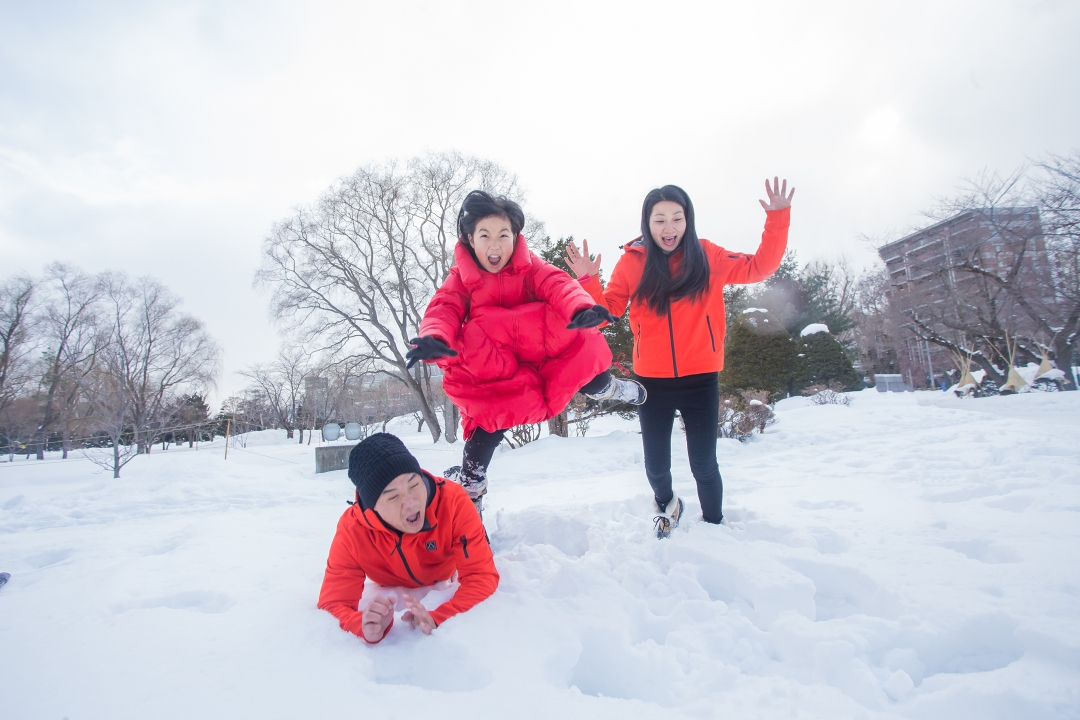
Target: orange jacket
<point>690,339</point>
<point>452,538</point>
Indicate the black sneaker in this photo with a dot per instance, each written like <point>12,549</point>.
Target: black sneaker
<point>668,519</point>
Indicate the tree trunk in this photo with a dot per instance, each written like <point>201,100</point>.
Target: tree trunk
<point>116,458</point>
<point>428,412</point>
<point>1063,356</point>
<point>301,429</point>
<point>289,433</point>
<point>558,425</point>
<point>451,416</point>
<point>41,436</point>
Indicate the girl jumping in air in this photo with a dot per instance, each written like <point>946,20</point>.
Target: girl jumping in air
<point>674,284</point>
<point>515,336</point>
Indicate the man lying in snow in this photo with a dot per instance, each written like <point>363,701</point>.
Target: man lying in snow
<point>410,530</point>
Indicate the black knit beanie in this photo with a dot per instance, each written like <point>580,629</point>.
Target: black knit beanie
<point>375,462</point>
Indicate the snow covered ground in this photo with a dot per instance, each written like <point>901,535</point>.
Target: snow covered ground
<point>911,555</point>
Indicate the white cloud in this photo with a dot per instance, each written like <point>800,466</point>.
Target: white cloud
<point>137,134</point>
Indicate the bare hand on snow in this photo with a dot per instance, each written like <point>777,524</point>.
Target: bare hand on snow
<point>417,615</point>
<point>378,616</point>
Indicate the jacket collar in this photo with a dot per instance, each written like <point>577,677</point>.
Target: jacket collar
<point>473,275</point>
<point>372,519</point>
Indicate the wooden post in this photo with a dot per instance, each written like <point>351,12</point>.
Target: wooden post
<point>228,424</point>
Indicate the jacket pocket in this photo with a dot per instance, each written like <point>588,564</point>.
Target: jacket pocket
<point>712,340</point>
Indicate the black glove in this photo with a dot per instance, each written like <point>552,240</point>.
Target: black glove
<point>427,348</point>
<point>591,317</point>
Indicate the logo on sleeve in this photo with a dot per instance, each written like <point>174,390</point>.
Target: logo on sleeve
<point>430,545</point>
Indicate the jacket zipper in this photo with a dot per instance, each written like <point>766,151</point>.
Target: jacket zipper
<point>406,562</point>
<point>711,340</point>
<point>671,334</point>
<point>639,340</point>
<point>465,546</point>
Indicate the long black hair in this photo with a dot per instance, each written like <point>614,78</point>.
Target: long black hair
<point>657,287</point>
<point>479,205</point>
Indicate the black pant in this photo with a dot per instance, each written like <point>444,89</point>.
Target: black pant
<point>480,448</point>
<point>697,398</point>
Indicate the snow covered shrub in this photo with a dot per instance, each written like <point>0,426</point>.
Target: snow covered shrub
<point>1046,385</point>
<point>740,415</point>
<point>759,355</point>
<point>833,394</point>
<point>581,411</point>
<point>986,388</point>
<point>822,361</point>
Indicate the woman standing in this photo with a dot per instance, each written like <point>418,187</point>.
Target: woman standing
<point>674,284</point>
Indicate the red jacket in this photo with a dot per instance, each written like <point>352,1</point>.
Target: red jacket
<point>689,339</point>
<point>517,362</point>
<point>453,539</point>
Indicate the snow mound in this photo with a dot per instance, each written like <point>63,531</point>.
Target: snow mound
<point>890,559</point>
<point>814,328</point>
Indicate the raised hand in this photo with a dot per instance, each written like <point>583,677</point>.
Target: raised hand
<point>591,317</point>
<point>579,262</point>
<point>427,348</point>
<point>779,197</point>
<point>417,615</point>
<point>378,616</point>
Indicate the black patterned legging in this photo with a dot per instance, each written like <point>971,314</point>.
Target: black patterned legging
<point>480,448</point>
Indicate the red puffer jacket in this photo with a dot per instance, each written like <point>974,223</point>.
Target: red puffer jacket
<point>452,539</point>
<point>690,338</point>
<point>517,363</point>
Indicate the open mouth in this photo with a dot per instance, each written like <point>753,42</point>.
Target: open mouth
<point>413,519</point>
<point>669,240</point>
<point>494,260</point>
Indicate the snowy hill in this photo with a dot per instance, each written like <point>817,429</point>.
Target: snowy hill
<point>911,555</point>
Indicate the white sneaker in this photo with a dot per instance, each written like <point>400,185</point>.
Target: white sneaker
<point>623,391</point>
<point>668,519</point>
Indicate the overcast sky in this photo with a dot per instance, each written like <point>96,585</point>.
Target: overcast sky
<point>165,138</point>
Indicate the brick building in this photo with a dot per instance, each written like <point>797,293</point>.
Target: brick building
<point>941,284</point>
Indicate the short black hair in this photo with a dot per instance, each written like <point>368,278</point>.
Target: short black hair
<point>479,205</point>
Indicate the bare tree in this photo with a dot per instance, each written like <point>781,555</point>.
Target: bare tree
<point>282,382</point>
<point>875,325</point>
<point>355,271</point>
<point>164,352</point>
<point>67,329</point>
<point>145,355</point>
<point>1059,197</point>
<point>16,295</point>
<point>102,378</point>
